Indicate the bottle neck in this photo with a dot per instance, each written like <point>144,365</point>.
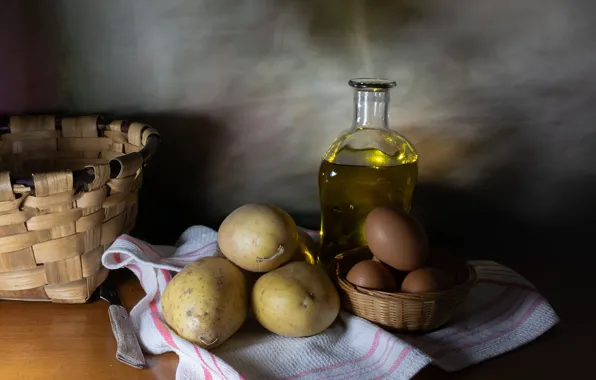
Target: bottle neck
<point>371,109</point>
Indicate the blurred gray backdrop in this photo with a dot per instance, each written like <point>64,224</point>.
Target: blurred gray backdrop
<point>498,96</point>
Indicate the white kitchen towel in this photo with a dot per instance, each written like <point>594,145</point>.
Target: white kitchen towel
<point>502,312</point>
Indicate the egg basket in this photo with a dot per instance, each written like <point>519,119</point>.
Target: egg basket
<point>397,311</point>
<point>68,188</point>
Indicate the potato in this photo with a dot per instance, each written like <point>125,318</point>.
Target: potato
<point>206,302</point>
<point>258,237</point>
<point>295,300</point>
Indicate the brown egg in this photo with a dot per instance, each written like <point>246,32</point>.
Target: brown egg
<point>398,275</point>
<point>453,266</point>
<point>425,280</point>
<point>372,275</point>
<point>396,238</point>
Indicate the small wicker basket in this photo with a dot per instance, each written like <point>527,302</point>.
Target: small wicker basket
<point>56,223</point>
<point>397,311</point>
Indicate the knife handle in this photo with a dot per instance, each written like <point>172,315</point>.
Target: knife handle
<point>129,350</point>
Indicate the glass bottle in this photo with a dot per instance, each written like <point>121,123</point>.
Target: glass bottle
<point>366,166</point>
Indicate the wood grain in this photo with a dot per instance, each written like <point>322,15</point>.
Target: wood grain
<point>50,341</point>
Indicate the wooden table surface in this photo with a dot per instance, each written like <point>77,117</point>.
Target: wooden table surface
<point>52,341</point>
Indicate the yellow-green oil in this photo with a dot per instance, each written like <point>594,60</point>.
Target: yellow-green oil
<point>349,192</point>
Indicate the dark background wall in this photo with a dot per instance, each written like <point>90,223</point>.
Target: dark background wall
<point>498,96</point>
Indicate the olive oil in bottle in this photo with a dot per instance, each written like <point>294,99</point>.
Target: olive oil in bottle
<point>367,166</point>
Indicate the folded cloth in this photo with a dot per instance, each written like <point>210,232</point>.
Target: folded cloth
<point>503,311</point>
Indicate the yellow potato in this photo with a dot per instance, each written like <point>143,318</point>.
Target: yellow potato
<point>258,237</point>
<point>295,300</point>
<point>206,302</point>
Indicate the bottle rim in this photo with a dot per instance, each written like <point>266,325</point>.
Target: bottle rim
<point>371,83</point>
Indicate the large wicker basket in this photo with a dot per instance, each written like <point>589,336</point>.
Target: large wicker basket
<point>397,311</point>
<point>56,223</point>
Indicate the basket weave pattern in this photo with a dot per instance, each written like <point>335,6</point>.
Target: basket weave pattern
<point>398,311</point>
<point>54,231</point>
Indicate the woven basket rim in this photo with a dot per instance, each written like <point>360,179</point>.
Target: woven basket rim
<point>146,139</point>
<point>395,296</point>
